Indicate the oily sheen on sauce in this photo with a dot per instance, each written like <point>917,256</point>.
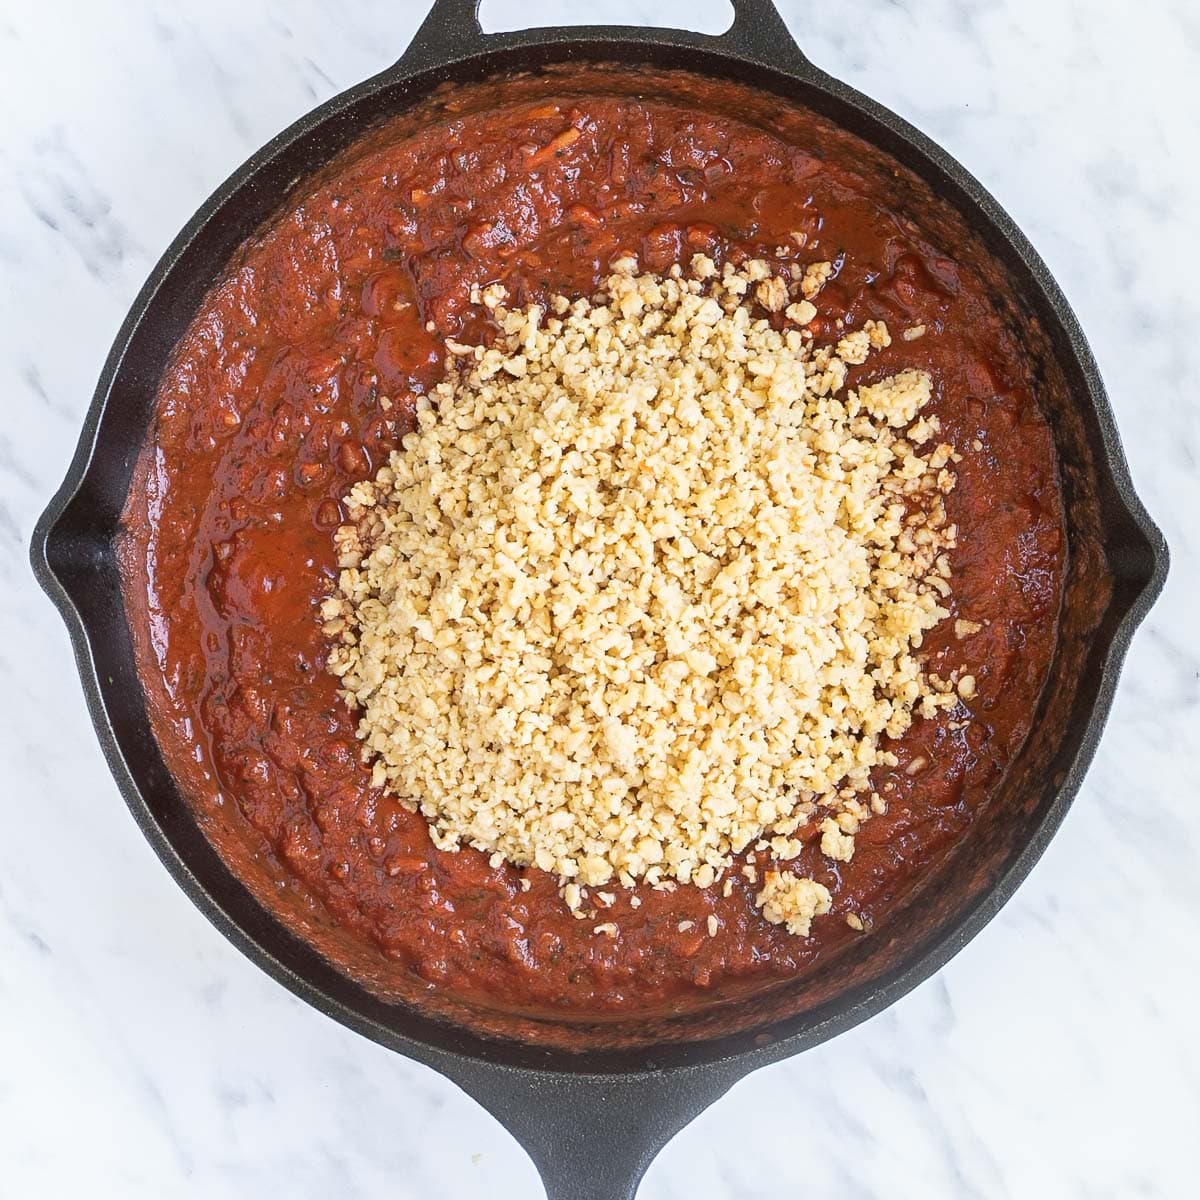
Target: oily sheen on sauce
<point>276,402</point>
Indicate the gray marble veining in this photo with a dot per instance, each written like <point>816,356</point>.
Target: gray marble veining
<point>142,1057</point>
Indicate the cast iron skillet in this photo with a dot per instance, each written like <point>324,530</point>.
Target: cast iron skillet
<point>593,1120</point>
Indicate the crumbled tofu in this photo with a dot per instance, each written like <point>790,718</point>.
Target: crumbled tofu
<point>541,592</point>
<point>608,928</point>
<point>772,294</point>
<point>854,921</point>
<point>922,429</point>
<point>878,333</point>
<point>966,687</point>
<point>785,848</point>
<point>855,347</point>
<point>792,901</point>
<point>834,843</point>
<point>801,313</point>
<point>913,332</point>
<point>816,276</point>
<point>964,628</point>
<point>897,400</point>
<point>941,456</point>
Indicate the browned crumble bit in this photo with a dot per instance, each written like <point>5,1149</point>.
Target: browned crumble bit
<point>645,586</point>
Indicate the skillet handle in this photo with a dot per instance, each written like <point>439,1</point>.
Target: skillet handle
<point>592,1137</point>
<point>760,34</point>
<point>451,31</point>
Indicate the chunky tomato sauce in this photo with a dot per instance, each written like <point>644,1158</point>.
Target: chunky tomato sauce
<point>298,376</point>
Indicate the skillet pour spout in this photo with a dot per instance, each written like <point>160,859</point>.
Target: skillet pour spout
<point>593,1105</point>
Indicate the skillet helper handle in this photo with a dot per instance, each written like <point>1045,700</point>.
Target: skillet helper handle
<point>451,32</point>
<point>759,33</point>
<point>592,1137</point>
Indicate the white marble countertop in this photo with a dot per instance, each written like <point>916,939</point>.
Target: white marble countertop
<point>141,1056</point>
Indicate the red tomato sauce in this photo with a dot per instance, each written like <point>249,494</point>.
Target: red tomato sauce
<point>275,403</point>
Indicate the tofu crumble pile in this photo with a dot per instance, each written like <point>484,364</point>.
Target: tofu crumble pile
<point>644,587</point>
